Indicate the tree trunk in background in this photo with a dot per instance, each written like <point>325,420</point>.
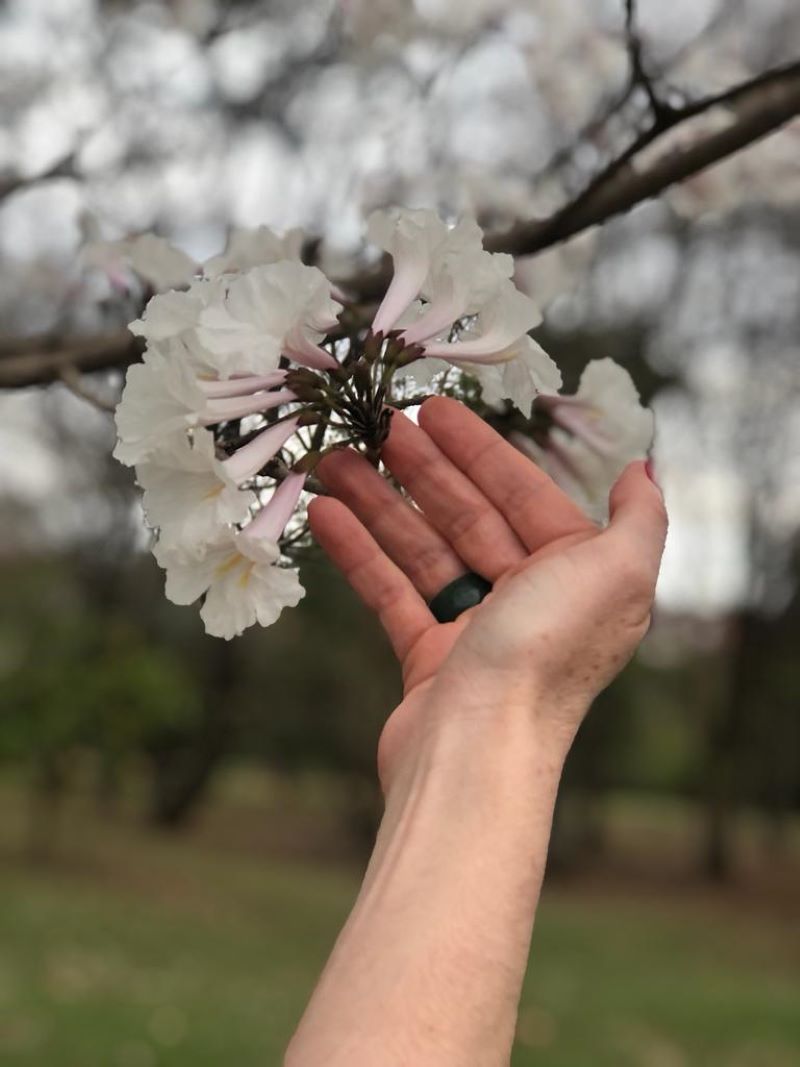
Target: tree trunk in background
<point>724,751</point>
<point>183,764</point>
<point>107,784</point>
<point>46,794</point>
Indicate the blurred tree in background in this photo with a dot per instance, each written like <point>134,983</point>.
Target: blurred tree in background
<point>556,124</point>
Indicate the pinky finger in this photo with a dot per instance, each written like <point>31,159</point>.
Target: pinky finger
<point>380,583</point>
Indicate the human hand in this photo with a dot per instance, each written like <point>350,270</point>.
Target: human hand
<point>570,601</point>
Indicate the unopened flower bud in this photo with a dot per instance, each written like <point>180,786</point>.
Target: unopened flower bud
<point>309,394</point>
<point>302,376</point>
<point>362,377</point>
<point>394,347</point>
<point>342,373</point>
<point>409,354</point>
<point>373,346</point>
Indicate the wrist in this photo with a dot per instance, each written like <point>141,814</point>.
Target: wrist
<point>497,717</point>
<point>484,746</point>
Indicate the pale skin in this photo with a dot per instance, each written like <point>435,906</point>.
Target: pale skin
<point>428,969</point>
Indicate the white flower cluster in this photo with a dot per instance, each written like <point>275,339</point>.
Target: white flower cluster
<point>449,269</point>
<point>213,354</point>
<point>241,358</point>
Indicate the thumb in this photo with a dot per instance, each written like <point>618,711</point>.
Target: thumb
<point>638,516</point>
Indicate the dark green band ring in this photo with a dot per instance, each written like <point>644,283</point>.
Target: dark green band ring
<point>458,595</point>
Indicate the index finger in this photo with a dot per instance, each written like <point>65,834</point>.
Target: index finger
<point>532,504</point>
<point>383,587</point>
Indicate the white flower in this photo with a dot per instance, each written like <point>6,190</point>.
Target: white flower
<point>248,460</point>
<point>605,412</point>
<point>410,238</point>
<point>159,262</point>
<point>153,258</point>
<point>597,432</point>
<point>254,248</point>
<point>462,279</point>
<point>224,408</point>
<point>502,322</point>
<point>239,572</point>
<point>446,265</point>
<point>162,398</point>
<point>520,379</point>
<point>189,494</point>
<point>105,256</point>
<point>519,372</point>
<point>176,314</point>
<point>281,308</point>
<point>217,389</point>
<point>242,584</point>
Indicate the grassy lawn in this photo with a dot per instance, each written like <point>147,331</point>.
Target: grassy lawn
<point>144,951</point>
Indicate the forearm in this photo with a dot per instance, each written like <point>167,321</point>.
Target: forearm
<point>428,969</point>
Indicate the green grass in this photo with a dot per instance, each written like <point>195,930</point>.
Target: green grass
<point>144,951</point>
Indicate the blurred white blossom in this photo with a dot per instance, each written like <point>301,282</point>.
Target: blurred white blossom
<point>595,433</point>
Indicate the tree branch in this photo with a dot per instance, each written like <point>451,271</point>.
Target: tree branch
<point>756,108</point>
<point>46,363</point>
<point>64,168</point>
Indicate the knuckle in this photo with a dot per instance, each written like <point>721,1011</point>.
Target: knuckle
<point>464,521</point>
<point>480,455</point>
<point>431,562</point>
<point>521,497</point>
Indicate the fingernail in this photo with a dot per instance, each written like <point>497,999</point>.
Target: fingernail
<point>650,471</point>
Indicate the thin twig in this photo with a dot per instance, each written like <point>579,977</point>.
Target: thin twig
<point>639,76</point>
<point>73,380</point>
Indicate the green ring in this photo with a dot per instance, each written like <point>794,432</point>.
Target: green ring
<point>459,595</point>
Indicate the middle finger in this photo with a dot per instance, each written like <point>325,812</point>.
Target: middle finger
<point>403,533</point>
<point>454,505</point>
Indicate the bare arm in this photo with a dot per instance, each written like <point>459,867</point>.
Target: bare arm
<point>429,966</point>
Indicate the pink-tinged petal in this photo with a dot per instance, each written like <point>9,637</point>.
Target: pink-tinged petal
<point>408,279</point>
<point>240,386</point>
<point>236,407</point>
<point>502,323</point>
<point>438,317</point>
<point>455,354</point>
<point>305,352</point>
<point>322,320</point>
<point>248,460</point>
<point>553,458</point>
<point>120,282</point>
<point>562,463</point>
<point>271,521</point>
<point>582,421</point>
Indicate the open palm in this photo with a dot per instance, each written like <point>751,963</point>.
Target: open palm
<point>570,600</point>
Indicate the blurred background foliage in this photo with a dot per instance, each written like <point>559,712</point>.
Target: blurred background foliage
<point>183,820</point>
